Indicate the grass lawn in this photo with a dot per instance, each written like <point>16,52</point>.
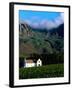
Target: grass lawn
<point>47,71</point>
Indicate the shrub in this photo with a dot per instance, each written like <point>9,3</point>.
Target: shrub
<point>54,70</point>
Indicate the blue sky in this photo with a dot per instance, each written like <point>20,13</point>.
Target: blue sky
<point>31,15</point>
<point>41,18</point>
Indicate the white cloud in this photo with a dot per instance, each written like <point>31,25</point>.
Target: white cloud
<point>48,24</point>
<point>59,20</point>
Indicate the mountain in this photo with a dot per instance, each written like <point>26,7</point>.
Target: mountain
<point>59,30</point>
<point>40,41</point>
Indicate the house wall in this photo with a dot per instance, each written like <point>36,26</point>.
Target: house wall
<point>39,63</point>
<point>29,64</point>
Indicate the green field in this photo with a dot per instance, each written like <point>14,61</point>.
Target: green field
<point>47,71</point>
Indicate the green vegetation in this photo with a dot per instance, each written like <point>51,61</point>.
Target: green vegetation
<point>43,44</point>
<point>47,71</point>
<point>40,41</point>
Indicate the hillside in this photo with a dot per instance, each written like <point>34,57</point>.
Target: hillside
<point>40,41</point>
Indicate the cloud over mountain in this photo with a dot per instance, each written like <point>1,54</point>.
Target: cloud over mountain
<point>44,23</point>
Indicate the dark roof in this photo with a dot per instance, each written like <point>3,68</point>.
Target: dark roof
<point>29,61</point>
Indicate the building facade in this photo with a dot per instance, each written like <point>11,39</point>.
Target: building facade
<point>31,63</point>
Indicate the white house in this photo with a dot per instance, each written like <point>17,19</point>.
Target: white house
<point>39,62</point>
<point>31,63</point>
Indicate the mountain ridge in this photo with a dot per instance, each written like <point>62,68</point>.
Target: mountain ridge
<point>40,41</point>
